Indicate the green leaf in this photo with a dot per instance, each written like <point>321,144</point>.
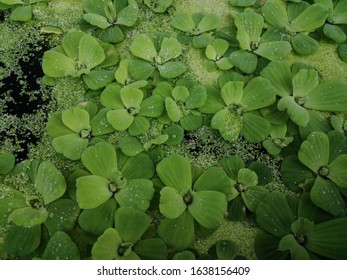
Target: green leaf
<point>128,15</point>
<point>140,70</point>
<point>251,23</point>
<point>10,200</point>
<point>76,119</point>
<point>130,146</point>
<point>143,47</point>
<point>202,41</point>
<point>137,194</point>
<point>175,133</point>
<point>170,48</point>
<point>242,3</point>
<point>247,177</point>
<point>70,43</point>
<point>334,33</point>
<point>304,44</point>
<point>339,14</point>
<point>151,249</point>
<point>171,69</point>
<point>56,64</point>
<point>314,151</point>
<point>99,123</point>
<point>97,20</point>
<point>258,93</point>
<point>171,203</point>
<point>329,239</point>
<point>266,247</point>
<point>207,23</point>
<point>180,93</point>
<point>337,169</point>
<point>208,208</point>
<point>23,13</point>
<point>50,183</point>
<point>175,172</point>
<point>113,35</point>
<point>297,113</point>
<point>329,95</point>
<point>172,109</point>
<point>131,97</point>
<point>275,14</point>
<point>107,245</point>
<point>92,191</point>
<point>243,60</point>
<point>28,217</point>
<point>61,247</point>
<point>274,50</point>
<point>139,126</point>
<point>138,167</point>
<point>228,124</point>
<point>152,106</point>
<point>255,128</point>
<point>280,76</point>
<point>317,14</point>
<point>183,22</point>
<point>297,251</point>
<point>274,215</point>
<point>100,159</point>
<point>98,79</point>
<point>224,63</point>
<point>110,97</point>
<point>304,82</point>
<point>213,179</point>
<point>63,214</point>
<point>71,145</point>
<point>253,196</point>
<point>226,250</point>
<point>231,165</point>
<point>120,119</point>
<point>7,162</point>
<point>232,92</point>
<point>184,255</point>
<point>342,51</point>
<point>197,97</point>
<point>98,219</point>
<point>95,6</point>
<point>21,241</point>
<point>326,195</point>
<point>179,232</point>
<point>90,53</point>
<point>131,223</point>
<point>191,122</point>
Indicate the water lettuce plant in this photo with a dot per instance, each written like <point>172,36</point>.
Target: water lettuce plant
<point>217,55</point>
<point>322,159</point>
<point>185,199</point>
<point>160,57</point>
<point>130,108</point>
<point>292,20</point>
<point>110,17</point>
<point>300,90</point>
<point>22,10</point>
<point>77,56</point>
<point>300,234</point>
<point>235,109</point>
<point>196,28</point>
<point>253,43</point>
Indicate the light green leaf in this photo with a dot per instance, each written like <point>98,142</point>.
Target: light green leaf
<point>247,177</point>
<point>171,203</point>
<point>170,48</point>
<point>110,97</point>
<point>128,15</point>
<point>243,60</point>
<point>329,95</point>
<point>275,14</point>
<point>28,217</point>
<point>304,82</point>
<point>337,171</point>
<point>175,172</point>
<point>50,183</point>
<point>70,145</point>
<point>152,106</point>
<point>112,35</point>
<point>22,13</point>
<point>107,245</point>
<point>138,167</point>
<point>183,22</point>
<point>61,247</point>
<point>232,92</point>
<point>130,146</point>
<point>100,159</point>
<point>131,223</point>
<point>334,33</point>
<point>207,23</point>
<point>213,179</point>
<point>316,13</point>
<point>253,196</point>
<point>97,20</point>
<point>143,47</point>
<point>297,251</point>
<point>172,109</point>
<point>251,23</point>
<point>231,165</point>
<point>197,97</point>
<point>137,194</point>
<point>180,93</point>
<point>139,126</point>
<point>171,69</point>
<point>140,70</point>
<point>131,97</point>
<point>326,195</point>
<point>274,50</point>
<point>98,79</point>
<point>76,119</point>
<point>298,114</point>
<point>90,53</point>
<point>304,44</point>
<point>191,122</point>
<point>258,93</point>
<point>314,151</point>
<point>92,191</point>
<point>255,128</point>
<point>120,119</point>
<point>7,162</point>
<point>56,64</point>
<point>228,124</point>
<point>208,208</point>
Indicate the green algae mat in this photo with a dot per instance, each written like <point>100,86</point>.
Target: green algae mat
<point>171,129</point>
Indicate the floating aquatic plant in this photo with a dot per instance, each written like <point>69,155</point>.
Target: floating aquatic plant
<point>217,56</point>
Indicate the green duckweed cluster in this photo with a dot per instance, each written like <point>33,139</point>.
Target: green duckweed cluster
<point>135,129</point>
